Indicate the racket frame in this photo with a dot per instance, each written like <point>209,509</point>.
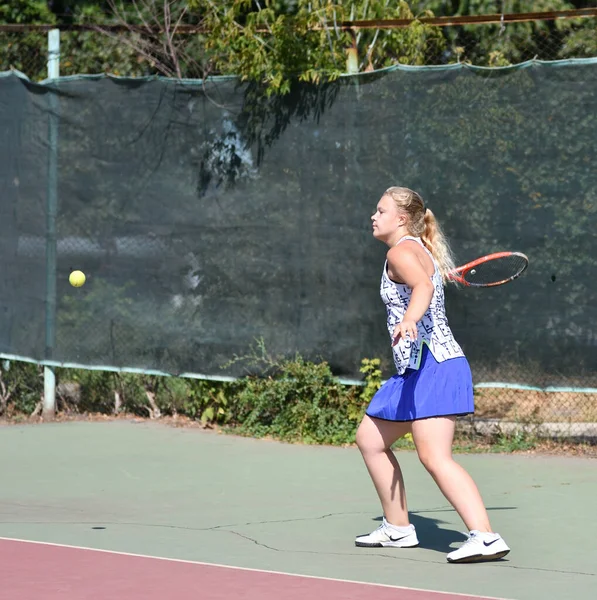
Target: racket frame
<point>457,273</point>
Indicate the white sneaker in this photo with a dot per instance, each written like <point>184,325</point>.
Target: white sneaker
<point>479,547</point>
<point>389,536</point>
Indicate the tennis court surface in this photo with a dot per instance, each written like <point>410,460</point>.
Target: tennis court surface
<point>137,510</point>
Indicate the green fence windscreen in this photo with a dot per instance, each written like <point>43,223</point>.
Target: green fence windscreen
<point>206,216</point>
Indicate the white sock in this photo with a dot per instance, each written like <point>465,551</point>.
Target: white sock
<point>401,529</point>
<point>487,534</point>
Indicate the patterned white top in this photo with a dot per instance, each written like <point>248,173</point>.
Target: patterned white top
<point>433,328</point>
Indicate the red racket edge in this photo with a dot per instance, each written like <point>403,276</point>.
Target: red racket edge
<point>455,274</point>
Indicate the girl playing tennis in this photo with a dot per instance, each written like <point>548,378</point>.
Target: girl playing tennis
<point>432,386</point>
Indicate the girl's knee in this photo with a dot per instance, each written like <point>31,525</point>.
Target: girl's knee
<point>434,462</point>
<point>367,440</point>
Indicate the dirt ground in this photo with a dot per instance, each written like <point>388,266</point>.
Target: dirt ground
<point>537,407</point>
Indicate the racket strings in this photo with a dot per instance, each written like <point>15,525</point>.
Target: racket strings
<point>497,269</point>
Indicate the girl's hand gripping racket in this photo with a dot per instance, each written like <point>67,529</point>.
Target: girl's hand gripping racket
<point>491,270</point>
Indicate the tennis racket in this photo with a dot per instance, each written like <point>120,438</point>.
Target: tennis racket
<point>491,270</point>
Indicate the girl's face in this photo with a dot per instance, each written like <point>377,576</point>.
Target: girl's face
<point>386,219</point>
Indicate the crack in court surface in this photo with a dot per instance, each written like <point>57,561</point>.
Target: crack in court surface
<point>403,557</point>
<point>227,529</point>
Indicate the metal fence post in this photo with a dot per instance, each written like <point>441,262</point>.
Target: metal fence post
<point>49,401</point>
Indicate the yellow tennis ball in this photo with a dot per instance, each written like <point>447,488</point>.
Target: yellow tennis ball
<point>77,278</point>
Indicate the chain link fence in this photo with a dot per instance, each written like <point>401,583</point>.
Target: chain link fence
<point>128,53</point>
<point>493,45</point>
<point>81,53</point>
<point>568,410</point>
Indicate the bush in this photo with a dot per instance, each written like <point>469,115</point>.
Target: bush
<point>21,387</point>
<point>289,399</point>
<point>208,402</point>
<point>299,400</point>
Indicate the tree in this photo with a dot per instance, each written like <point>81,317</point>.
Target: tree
<point>274,42</point>
<point>152,34</point>
<point>501,45</point>
<point>26,51</point>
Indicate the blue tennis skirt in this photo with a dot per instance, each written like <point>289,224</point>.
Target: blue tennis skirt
<point>433,390</point>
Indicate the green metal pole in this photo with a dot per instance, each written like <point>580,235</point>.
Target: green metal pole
<point>49,402</point>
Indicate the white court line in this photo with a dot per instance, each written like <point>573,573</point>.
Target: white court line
<point>206,564</point>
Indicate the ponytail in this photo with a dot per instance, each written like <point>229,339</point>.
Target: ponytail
<point>437,244</point>
<point>422,223</point>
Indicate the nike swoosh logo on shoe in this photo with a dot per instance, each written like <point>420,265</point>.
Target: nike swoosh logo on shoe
<point>398,538</point>
<point>492,542</point>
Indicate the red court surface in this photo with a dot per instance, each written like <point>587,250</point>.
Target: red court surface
<point>34,571</point>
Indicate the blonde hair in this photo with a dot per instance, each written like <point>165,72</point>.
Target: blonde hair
<point>422,223</point>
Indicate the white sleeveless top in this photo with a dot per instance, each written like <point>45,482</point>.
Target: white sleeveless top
<point>433,328</point>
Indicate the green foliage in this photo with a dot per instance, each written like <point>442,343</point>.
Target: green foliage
<point>370,367</point>
<point>96,389</point>
<point>291,400</point>
<point>208,402</point>
<point>404,443</point>
<point>418,44</point>
<point>21,387</point>
<point>25,51</point>
<point>133,53</point>
<point>579,38</point>
<point>297,400</point>
<point>498,45</point>
<point>138,50</point>
<point>274,43</point>
<point>95,52</point>
<point>25,11</point>
<point>520,440</point>
<point>514,42</point>
<point>107,392</point>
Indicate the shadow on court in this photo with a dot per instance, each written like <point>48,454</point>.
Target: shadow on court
<point>432,532</point>
<point>146,489</point>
